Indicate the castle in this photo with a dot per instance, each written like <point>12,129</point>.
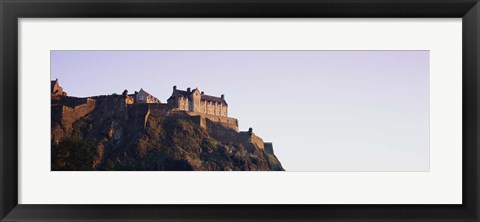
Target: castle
<point>181,100</point>
<point>203,109</point>
<point>192,102</point>
<point>196,101</point>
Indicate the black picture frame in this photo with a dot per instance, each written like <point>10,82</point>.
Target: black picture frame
<point>12,10</point>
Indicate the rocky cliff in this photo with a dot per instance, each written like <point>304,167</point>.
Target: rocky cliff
<point>112,135</point>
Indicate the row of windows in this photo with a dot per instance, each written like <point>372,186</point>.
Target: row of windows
<point>207,105</point>
<point>186,100</point>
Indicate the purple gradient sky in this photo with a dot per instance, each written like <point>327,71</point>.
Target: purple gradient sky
<point>323,110</point>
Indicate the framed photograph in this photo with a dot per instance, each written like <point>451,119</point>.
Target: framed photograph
<point>224,110</point>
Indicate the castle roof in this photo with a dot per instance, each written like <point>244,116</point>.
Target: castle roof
<point>182,93</point>
<point>186,94</point>
<point>213,99</point>
<point>52,84</point>
<point>145,92</point>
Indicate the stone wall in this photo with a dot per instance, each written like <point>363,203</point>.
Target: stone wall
<point>228,122</point>
<point>159,108</point>
<point>251,138</point>
<point>257,141</point>
<point>72,102</point>
<point>69,115</point>
<point>111,106</point>
<point>147,109</point>
<point>221,132</point>
<point>229,135</point>
<point>200,120</point>
<point>226,129</point>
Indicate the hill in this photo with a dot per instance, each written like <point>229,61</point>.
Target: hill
<point>105,133</point>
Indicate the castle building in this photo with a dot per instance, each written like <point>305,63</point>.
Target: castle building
<point>56,89</point>
<point>144,97</point>
<point>196,101</point>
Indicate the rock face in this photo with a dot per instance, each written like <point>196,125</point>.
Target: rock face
<point>109,134</point>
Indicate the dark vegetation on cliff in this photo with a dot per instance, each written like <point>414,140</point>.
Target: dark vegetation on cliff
<point>111,139</point>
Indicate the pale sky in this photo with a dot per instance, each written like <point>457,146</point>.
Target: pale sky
<point>323,110</point>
